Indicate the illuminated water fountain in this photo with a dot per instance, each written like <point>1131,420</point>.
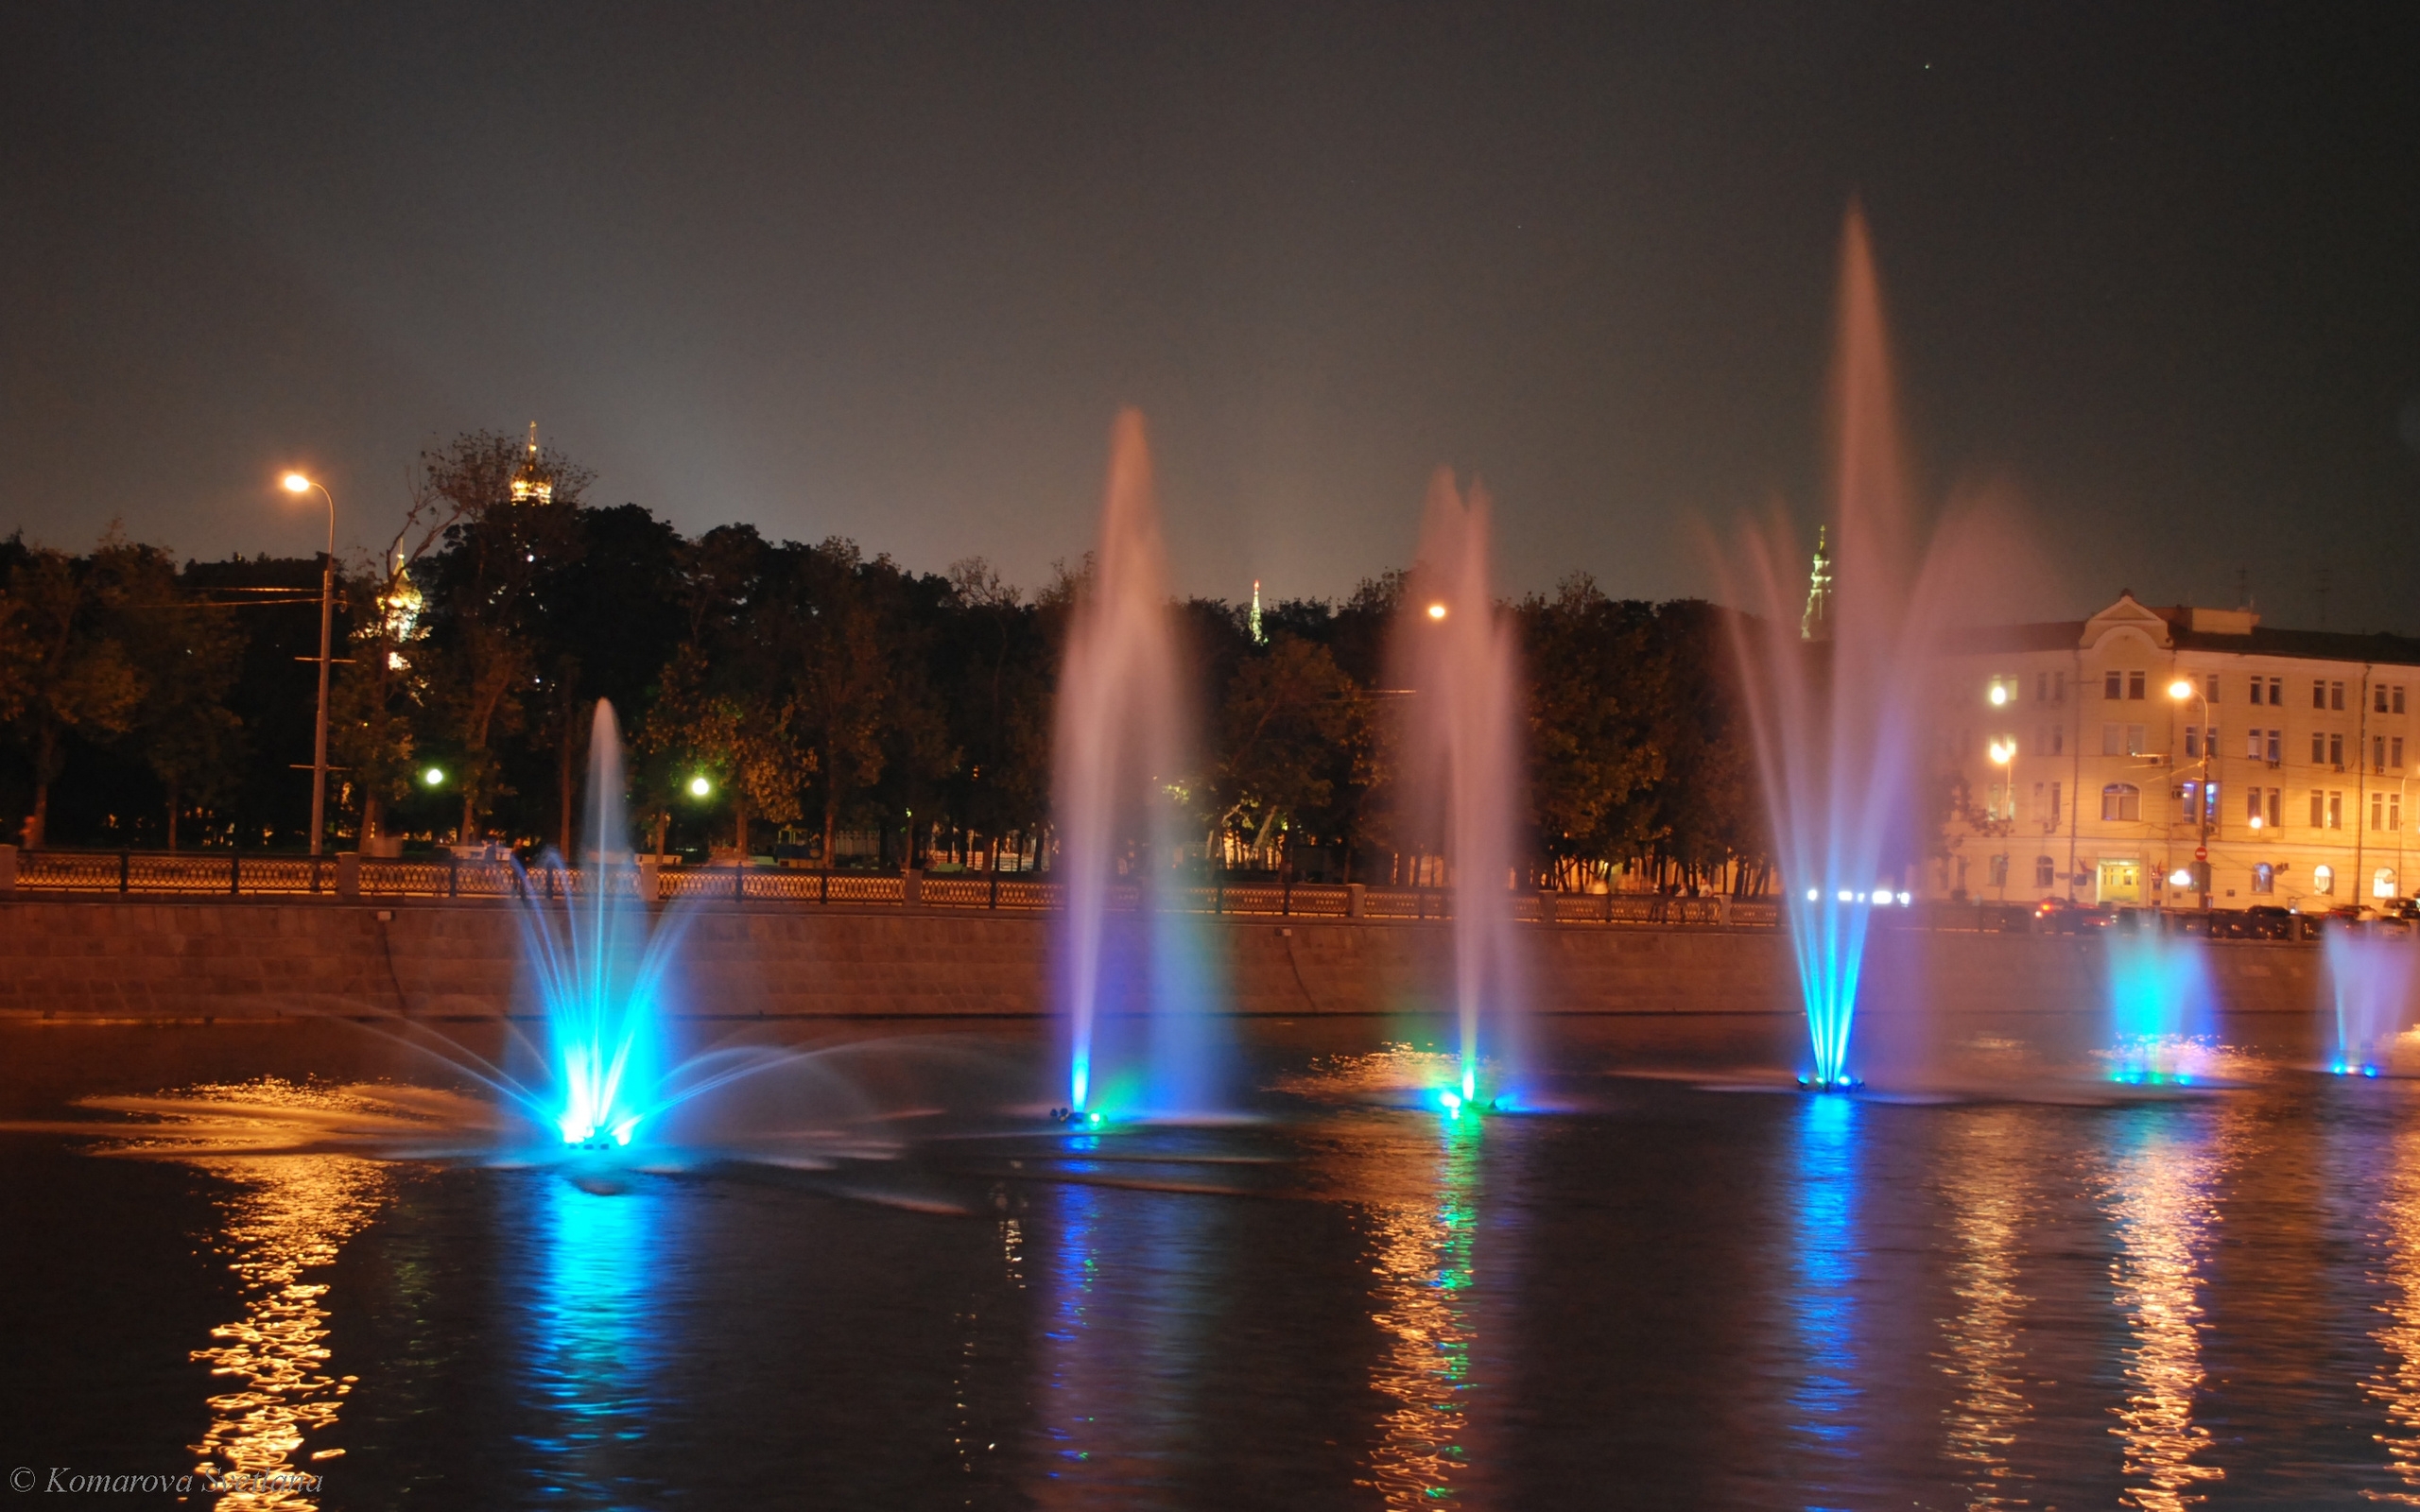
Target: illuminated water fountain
<point>2371,975</point>
<point>1132,977</point>
<point>1833,688</point>
<point>2161,1008</point>
<point>1461,767</point>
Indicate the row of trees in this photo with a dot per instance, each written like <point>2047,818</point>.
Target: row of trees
<point>823,696</point>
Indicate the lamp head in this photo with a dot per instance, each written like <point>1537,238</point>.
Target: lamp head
<point>1437,612</point>
<point>2180,689</point>
<point>699,787</point>
<point>296,483</point>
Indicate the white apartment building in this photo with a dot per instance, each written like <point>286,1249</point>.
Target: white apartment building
<point>2099,758</point>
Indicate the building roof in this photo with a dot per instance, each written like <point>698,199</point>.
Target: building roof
<point>2185,627</point>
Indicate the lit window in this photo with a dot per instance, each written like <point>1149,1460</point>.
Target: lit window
<point>2001,691</point>
<point>2322,879</point>
<point>1999,870</point>
<point>2264,878</point>
<point>2121,803</point>
<point>2382,883</point>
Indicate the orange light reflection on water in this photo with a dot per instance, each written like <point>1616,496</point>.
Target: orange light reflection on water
<point>2160,1195</point>
<point>2396,1385</point>
<point>1424,1265</point>
<point>1990,1154</point>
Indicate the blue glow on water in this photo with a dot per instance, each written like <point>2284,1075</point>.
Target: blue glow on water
<point>1826,1254</point>
<point>1828,940</point>
<point>593,1350</point>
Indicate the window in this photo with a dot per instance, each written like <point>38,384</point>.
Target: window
<point>2054,805</point>
<point>2377,698</point>
<point>2193,743</point>
<point>2396,745</point>
<point>2322,879</point>
<point>2394,811</point>
<point>2058,687</point>
<point>2203,796</point>
<point>2335,696</point>
<point>2135,739</point>
<point>2051,740</point>
<point>2002,692</point>
<point>2382,883</point>
<point>2277,808</point>
<point>2113,685</point>
<point>2276,748</point>
<point>2046,871</point>
<point>2264,878</point>
<point>2336,751</point>
<point>2398,698</point>
<point>2319,692</point>
<point>2378,811</point>
<point>2317,749</point>
<point>2113,740</point>
<point>2210,687</point>
<point>2133,684</point>
<point>1999,870</point>
<point>2002,805</point>
<point>2377,751</point>
<point>2121,803</point>
<point>2318,809</point>
<point>2336,811</point>
<point>2252,809</point>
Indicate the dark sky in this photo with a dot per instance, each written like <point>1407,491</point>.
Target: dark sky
<point>886,272</point>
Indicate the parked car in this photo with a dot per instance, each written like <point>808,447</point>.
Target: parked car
<point>2259,922</point>
<point>2066,915</point>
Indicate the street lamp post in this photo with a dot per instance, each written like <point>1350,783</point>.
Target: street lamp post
<point>296,483</point>
<point>2182,689</point>
<point>2003,755</point>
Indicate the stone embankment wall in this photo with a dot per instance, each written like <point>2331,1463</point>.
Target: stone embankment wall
<point>138,958</point>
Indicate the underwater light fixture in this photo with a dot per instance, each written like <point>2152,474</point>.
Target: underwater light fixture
<point>1847,897</point>
<point>1904,900</point>
<point>1814,895</point>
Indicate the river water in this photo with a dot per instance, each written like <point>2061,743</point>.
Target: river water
<point>1664,1293</point>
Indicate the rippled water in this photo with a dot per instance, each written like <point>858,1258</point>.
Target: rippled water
<point>1660,1295</point>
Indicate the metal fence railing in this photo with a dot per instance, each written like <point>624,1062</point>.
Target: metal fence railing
<point>222,873</point>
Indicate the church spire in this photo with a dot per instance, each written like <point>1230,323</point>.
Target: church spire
<point>532,484</point>
<point>1257,638</point>
<point>1816,623</point>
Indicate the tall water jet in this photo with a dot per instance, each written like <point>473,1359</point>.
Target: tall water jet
<point>1131,974</point>
<point>597,967</point>
<point>2371,974</point>
<point>1832,688</point>
<point>1462,777</point>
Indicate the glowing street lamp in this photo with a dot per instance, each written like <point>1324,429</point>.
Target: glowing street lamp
<point>295,483</point>
<point>1436,611</point>
<point>434,776</point>
<point>699,787</point>
<point>2002,752</point>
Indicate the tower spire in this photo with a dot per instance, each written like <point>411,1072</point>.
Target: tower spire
<point>1257,638</point>
<point>1816,623</point>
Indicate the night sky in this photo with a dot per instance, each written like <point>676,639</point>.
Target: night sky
<point>886,272</point>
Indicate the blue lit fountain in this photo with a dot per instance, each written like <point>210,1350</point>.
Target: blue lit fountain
<point>1833,693</point>
<point>2370,977</point>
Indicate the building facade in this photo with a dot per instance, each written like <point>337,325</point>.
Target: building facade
<point>2178,758</point>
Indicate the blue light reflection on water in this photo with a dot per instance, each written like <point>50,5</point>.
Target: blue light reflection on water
<point>592,1320</point>
<point>1135,1294</point>
<point>1825,1200</point>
